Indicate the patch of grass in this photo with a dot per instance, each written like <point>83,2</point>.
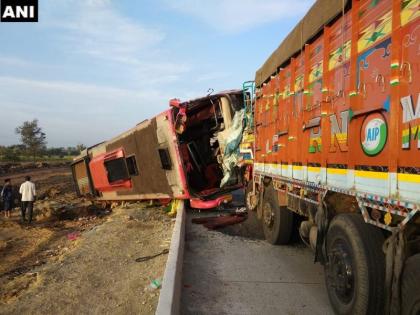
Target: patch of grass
<point>23,158</point>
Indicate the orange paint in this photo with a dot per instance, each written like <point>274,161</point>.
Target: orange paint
<point>361,66</point>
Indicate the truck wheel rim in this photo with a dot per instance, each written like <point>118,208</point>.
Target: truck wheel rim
<point>268,215</point>
<point>341,272</point>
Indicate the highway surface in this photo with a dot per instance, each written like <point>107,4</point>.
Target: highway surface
<point>228,274</point>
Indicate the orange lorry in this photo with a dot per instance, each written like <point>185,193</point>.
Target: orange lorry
<point>337,149</point>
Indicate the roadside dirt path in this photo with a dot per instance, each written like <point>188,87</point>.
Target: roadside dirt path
<point>97,273</point>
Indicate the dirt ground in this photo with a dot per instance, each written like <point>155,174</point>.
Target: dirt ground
<point>78,257</point>
<point>19,170</point>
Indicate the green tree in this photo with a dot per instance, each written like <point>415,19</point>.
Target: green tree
<point>80,147</point>
<point>10,154</point>
<point>32,137</point>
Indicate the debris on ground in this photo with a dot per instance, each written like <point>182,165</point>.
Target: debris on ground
<point>221,221</point>
<point>241,210</point>
<point>73,236</point>
<point>173,207</point>
<point>155,284</point>
<point>146,258</point>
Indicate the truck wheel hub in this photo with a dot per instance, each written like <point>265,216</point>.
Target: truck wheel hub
<point>340,272</point>
<point>268,215</point>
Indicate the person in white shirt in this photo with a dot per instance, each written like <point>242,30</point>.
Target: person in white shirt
<point>28,192</point>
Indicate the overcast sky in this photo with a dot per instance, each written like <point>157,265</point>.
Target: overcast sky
<point>91,69</point>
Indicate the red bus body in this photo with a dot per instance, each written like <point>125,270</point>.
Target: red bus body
<point>176,155</point>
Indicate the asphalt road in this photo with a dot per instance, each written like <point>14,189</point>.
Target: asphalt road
<point>228,274</point>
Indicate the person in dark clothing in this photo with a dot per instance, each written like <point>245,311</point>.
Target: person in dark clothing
<point>7,196</point>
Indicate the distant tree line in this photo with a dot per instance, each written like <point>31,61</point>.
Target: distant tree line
<point>18,152</point>
<point>34,146</point>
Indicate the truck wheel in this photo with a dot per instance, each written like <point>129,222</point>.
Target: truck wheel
<point>251,200</point>
<point>410,289</point>
<point>355,270</point>
<point>277,221</point>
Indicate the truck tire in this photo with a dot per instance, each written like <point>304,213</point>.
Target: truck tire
<point>355,269</point>
<point>410,288</point>
<point>277,221</point>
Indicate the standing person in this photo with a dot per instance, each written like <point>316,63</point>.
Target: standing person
<point>7,196</point>
<point>27,190</point>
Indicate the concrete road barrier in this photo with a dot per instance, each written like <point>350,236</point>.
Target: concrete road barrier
<point>170,294</point>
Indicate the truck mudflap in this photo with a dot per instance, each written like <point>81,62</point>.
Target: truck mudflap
<point>394,248</point>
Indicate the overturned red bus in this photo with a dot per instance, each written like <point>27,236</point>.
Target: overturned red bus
<point>190,151</point>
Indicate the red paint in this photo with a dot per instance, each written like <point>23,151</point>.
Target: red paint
<point>209,204</point>
<point>185,194</point>
<point>354,81</point>
<point>174,102</point>
<point>165,202</point>
<point>100,174</point>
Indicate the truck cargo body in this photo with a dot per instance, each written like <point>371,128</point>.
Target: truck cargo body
<point>177,154</point>
<point>337,140</point>
<point>347,118</point>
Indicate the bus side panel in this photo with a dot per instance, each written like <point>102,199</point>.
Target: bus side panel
<point>152,145</point>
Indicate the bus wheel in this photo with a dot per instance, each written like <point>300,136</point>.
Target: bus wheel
<point>277,221</point>
<point>251,200</point>
<point>355,269</point>
<point>410,289</point>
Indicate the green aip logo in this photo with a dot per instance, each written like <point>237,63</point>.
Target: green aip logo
<point>374,134</point>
